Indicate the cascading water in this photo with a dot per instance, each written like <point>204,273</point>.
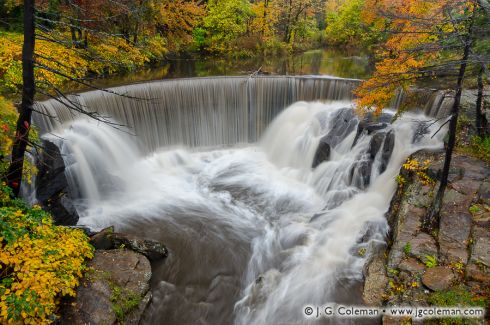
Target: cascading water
<point>255,233</point>
<point>199,111</point>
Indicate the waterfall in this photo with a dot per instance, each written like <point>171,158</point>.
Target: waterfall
<point>434,103</point>
<point>263,200</point>
<point>197,112</point>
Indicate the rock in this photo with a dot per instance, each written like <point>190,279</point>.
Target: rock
<point>152,249</point>
<point>52,190</point>
<point>372,123</point>
<point>360,175</point>
<point>102,239</point>
<point>108,239</point>
<point>477,272</point>
<point>482,218</point>
<point>411,265</point>
<point>480,252</point>
<point>116,285</point>
<point>375,144</point>
<point>438,278</point>
<point>466,186</point>
<point>361,171</point>
<point>388,146</point>
<point>423,245</point>
<point>342,125</point>
<point>405,229</point>
<point>92,305</point>
<point>375,282</point>
<point>322,153</point>
<point>435,171</point>
<point>454,233</point>
<point>453,198</point>
<point>484,193</point>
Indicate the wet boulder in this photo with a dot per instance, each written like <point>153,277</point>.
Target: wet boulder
<point>387,151</point>
<point>114,290</point>
<point>375,144</point>
<point>322,153</point>
<point>342,124</point>
<point>371,124</point>
<point>108,239</point>
<point>381,143</point>
<point>52,191</point>
<point>360,175</point>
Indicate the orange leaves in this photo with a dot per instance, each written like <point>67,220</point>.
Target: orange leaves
<point>417,36</point>
<point>176,19</point>
<point>390,75</point>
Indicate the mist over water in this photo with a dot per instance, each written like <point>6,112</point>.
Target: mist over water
<point>254,232</point>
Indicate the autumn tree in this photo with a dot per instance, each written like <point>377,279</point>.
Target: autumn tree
<point>295,14</point>
<point>428,39</point>
<point>345,26</point>
<point>176,20</point>
<point>266,16</point>
<point>40,68</point>
<point>225,21</point>
<point>14,174</point>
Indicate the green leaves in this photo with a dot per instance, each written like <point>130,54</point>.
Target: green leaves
<point>225,21</point>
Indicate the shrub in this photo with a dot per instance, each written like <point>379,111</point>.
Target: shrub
<point>40,263</point>
<point>430,261</point>
<point>480,148</point>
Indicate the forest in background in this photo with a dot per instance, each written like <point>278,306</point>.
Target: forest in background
<point>127,35</point>
<point>410,42</point>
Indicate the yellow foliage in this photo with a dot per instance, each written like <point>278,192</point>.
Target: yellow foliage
<point>104,55</point>
<point>265,19</point>
<point>40,263</point>
<point>420,169</point>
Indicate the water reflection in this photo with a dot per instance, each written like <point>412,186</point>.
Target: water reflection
<point>315,62</point>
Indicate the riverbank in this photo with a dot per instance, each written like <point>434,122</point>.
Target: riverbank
<point>449,266</point>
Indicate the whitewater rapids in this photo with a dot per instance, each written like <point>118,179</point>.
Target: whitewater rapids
<point>254,232</point>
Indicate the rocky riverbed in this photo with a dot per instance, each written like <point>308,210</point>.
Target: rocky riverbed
<point>450,265</point>
<point>116,287</point>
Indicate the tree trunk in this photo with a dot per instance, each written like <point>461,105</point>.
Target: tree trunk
<point>481,119</point>
<point>85,40</point>
<point>14,175</point>
<point>432,220</point>
<point>264,17</point>
<point>74,40</point>
<point>288,22</point>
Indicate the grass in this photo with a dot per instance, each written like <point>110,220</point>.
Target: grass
<point>123,301</point>
<point>478,148</point>
<point>456,297</point>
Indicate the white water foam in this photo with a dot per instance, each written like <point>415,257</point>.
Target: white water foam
<point>288,233</point>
